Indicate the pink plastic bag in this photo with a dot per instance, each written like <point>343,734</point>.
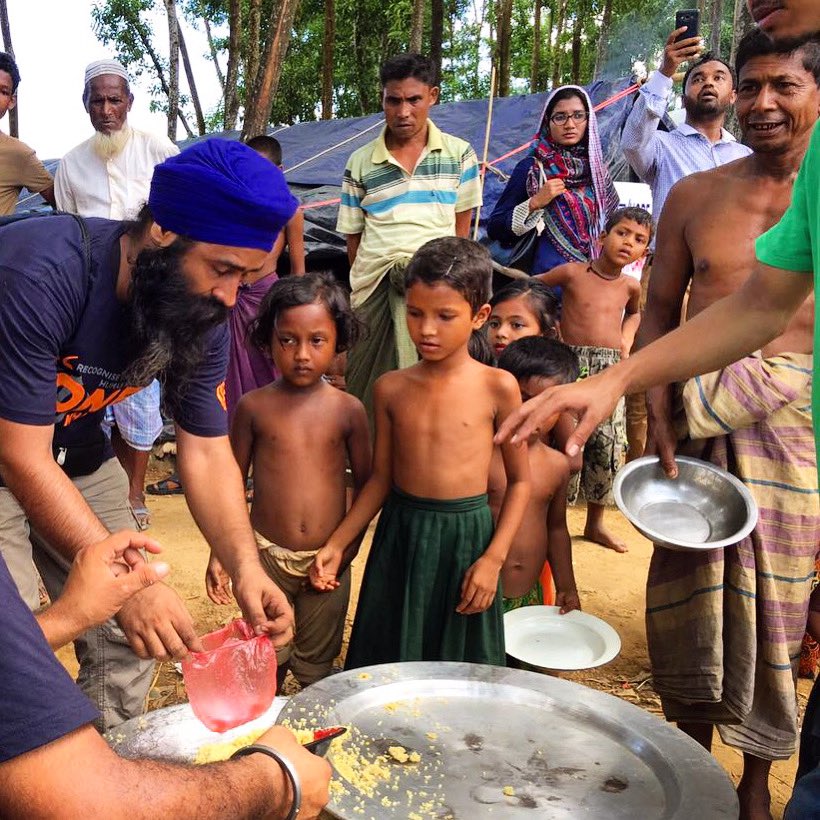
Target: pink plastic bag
<point>234,680</point>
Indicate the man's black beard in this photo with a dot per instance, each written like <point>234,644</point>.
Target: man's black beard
<point>168,324</point>
<point>705,110</point>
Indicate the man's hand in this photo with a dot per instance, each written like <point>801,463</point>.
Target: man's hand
<point>675,53</point>
<point>479,587</point>
<point>264,605</point>
<point>591,401</point>
<point>93,591</point>
<point>661,439</point>
<point>546,193</point>
<point>218,582</point>
<point>158,625</point>
<point>314,774</point>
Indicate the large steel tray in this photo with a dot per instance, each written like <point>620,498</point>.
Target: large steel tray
<point>504,743</point>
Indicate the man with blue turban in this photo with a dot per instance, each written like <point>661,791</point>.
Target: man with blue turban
<point>91,311</point>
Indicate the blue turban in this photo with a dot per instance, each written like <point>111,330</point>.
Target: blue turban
<point>222,192</point>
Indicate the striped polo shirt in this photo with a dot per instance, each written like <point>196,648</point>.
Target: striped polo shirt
<point>397,212</point>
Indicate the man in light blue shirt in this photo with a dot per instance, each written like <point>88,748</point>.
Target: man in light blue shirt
<point>700,143</point>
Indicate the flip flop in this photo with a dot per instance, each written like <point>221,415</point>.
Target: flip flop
<point>142,516</point>
<point>167,486</point>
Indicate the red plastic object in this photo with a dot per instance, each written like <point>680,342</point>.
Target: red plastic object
<point>234,680</point>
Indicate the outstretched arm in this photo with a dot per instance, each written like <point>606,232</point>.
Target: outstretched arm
<point>726,331</point>
<point>559,550</point>
<point>79,770</point>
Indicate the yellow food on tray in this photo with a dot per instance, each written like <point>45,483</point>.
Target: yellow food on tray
<point>212,752</point>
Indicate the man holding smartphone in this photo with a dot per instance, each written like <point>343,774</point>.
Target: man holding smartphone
<point>701,142</point>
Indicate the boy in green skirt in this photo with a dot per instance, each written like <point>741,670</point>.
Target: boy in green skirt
<point>431,585</point>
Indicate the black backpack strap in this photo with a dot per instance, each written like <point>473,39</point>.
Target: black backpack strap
<point>12,218</point>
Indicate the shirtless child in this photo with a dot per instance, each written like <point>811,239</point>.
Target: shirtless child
<point>538,363</point>
<point>430,589</point>
<point>600,314</point>
<point>296,433</point>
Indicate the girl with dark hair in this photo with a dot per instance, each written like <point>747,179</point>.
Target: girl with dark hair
<point>562,190</point>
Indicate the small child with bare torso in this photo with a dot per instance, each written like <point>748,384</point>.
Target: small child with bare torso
<point>297,434</point>
<point>600,314</point>
<point>430,589</point>
<point>538,363</point>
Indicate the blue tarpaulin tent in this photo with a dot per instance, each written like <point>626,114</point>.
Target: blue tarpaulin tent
<point>315,154</point>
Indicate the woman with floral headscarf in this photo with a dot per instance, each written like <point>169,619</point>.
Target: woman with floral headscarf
<point>563,189</point>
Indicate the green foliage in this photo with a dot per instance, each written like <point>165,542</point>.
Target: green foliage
<point>369,31</point>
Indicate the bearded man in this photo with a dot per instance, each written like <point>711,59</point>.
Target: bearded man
<point>92,311</point>
<point>108,175</point>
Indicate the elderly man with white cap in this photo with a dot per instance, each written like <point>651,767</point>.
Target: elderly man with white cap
<point>108,175</point>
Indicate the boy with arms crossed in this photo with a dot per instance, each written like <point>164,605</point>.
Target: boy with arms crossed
<point>600,314</point>
<point>297,433</point>
<point>432,578</point>
<point>538,363</point>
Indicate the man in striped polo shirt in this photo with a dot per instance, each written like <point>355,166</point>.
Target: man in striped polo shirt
<point>413,183</point>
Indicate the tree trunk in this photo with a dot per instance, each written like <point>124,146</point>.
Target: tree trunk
<point>258,108</point>
<point>436,35</point>
<point>232,73</point>
<point>503,36</point>
<point>189,74</point>
<point>558,50</point>
<point>603,41</point>
<point>5,26</point>
<point>576,42</point>
<point>254,42</point>
<point>741,24</point>
<point>714,33</point>
<point>328,42</point>
<point>535,62</point>
<point>173,68</point>
<point>417,26</point>
<point>212,47</point>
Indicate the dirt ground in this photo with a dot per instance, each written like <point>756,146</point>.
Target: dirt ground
<point>610,585</point>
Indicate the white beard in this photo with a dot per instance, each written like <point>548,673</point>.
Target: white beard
<point>108,146</point>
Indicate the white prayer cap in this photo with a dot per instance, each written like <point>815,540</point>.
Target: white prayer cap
<point>100,67</point>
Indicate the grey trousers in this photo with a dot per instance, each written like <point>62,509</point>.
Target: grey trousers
<point>111,675</point>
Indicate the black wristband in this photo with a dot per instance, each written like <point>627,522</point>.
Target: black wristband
<point>287,767</point>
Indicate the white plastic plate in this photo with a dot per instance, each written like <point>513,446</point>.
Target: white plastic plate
<point>540,636</point>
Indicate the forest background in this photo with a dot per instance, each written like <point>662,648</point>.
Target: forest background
<point>285,61</point>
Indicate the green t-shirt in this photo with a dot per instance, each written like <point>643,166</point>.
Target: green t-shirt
<point>794,244</point>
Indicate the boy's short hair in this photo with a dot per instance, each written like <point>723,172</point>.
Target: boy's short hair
<point>268,147</point>
<point>8,65</point>
<point>541,299</point>
<point>758,44</point>
<point>540,358</point>
<point>310,289</point>
<point>464,265</point>
<point>411,65</point>
<point>480,349</point>
<point>639,215</point>
<point>709,57</point>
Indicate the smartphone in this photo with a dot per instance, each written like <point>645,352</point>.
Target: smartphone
<point>689,18</point>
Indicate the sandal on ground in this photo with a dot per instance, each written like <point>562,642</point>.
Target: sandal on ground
<point>168,486</point>
<point>142,516</point>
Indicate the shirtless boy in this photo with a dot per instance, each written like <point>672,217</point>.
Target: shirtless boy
<point>706,238</point>
<point>600,314</point>
<point>538,363</point>
<point>432,577</point>
<point>296,434</point>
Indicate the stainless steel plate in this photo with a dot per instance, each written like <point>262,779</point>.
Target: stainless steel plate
<point>704,508</point>
<point>176,734</point>
<point>504,743</point>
